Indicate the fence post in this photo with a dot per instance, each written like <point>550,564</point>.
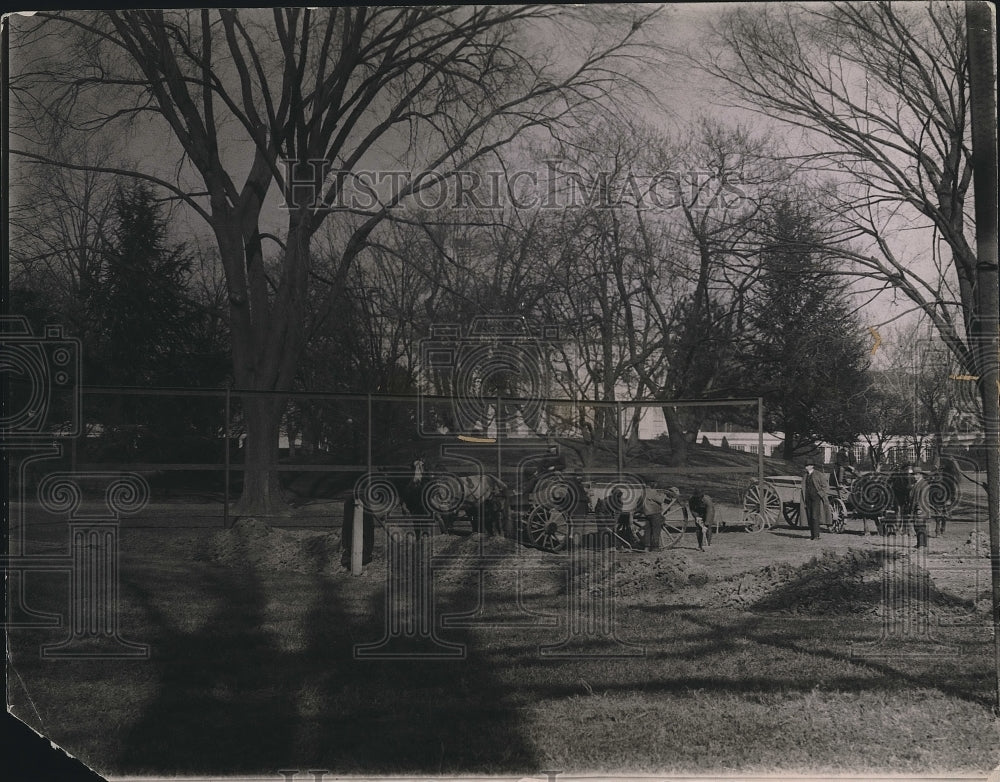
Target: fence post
<point>357,538</point>
<point>499,474</point>
<point>369,434</point>
<point>225,512</point>
<point>621,439</point>
<point>760,440</point>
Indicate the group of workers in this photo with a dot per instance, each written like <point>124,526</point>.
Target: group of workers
<point>903,484</point>
<point>699,507</point>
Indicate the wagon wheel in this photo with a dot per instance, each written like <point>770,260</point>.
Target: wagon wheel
<point>838,515</point>
<point>791,511</point>
<point>762,499</point>
<point>674,525</point>
<point>548,528</point>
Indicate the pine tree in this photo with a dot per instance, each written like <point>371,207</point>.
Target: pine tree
<point>151,334</point>
<point>806,354</point>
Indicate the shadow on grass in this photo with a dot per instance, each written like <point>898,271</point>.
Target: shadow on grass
<point>223,702</point>
<point>945,673</point>
<point>231,699</point>
<point>406,714</point>
<point>812,603</point>
<point>746,659</point>
<point>794,641</point>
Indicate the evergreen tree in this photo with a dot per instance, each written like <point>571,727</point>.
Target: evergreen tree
<point>146,315</point>
<point>806,353</point>
<point>152,333</point>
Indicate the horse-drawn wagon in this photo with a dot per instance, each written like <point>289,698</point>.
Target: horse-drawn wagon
<point>781,495</point>
<point>561,505</point>
<point>902,495</point>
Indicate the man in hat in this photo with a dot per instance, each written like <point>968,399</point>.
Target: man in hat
<point>539,467</point>
<point>703,510</point>
<point>815,489</point>
<point>904,489</point>
<point>654,501</point>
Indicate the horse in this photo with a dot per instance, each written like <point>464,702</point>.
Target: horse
<point>382,492</point>
<point>485,499</point>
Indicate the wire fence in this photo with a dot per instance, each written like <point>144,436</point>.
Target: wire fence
<point>190,444</point>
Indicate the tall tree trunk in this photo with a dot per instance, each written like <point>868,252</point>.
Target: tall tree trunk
<point>268,339</point>
<point>675,434</point>
<point>985,334</point>
<point>261,489</point>
<point>788,447</point>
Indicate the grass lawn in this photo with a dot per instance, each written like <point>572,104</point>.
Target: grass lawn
<point>254,670</point>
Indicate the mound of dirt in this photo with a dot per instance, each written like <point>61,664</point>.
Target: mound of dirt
<point>628,574</point>
<point>850,582</point>
<point>255,544</point>
<point>830,583</point>
<point>978,544</point>
<point>666,572</point>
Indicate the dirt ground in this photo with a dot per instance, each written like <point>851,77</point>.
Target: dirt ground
<point>779,569</point>
<point>257,628</point>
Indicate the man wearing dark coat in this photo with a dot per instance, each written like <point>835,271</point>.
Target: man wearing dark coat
<point>703,510</point>
<point>814,495</point>
<point>951,477</point>
<point>904,488</point>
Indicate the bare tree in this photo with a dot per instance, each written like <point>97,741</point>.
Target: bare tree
<point>299,100</point>
<point>60,221</point>
<point>880,91</point>
<point>886,94</point>
<point>654,263</point>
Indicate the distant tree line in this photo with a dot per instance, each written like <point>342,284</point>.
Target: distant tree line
<point>737,289</point>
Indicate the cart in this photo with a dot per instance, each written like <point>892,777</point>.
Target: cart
<point>782,495</point>
<point>560,502</point>
<point>544,516</point>
<point>637,500</point>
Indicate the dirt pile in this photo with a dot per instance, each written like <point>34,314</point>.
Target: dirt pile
<point>252,543</point>
<point>666,572</point>
<point>627,574</point>
<point>848,582</point>
<point>978,544</point>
